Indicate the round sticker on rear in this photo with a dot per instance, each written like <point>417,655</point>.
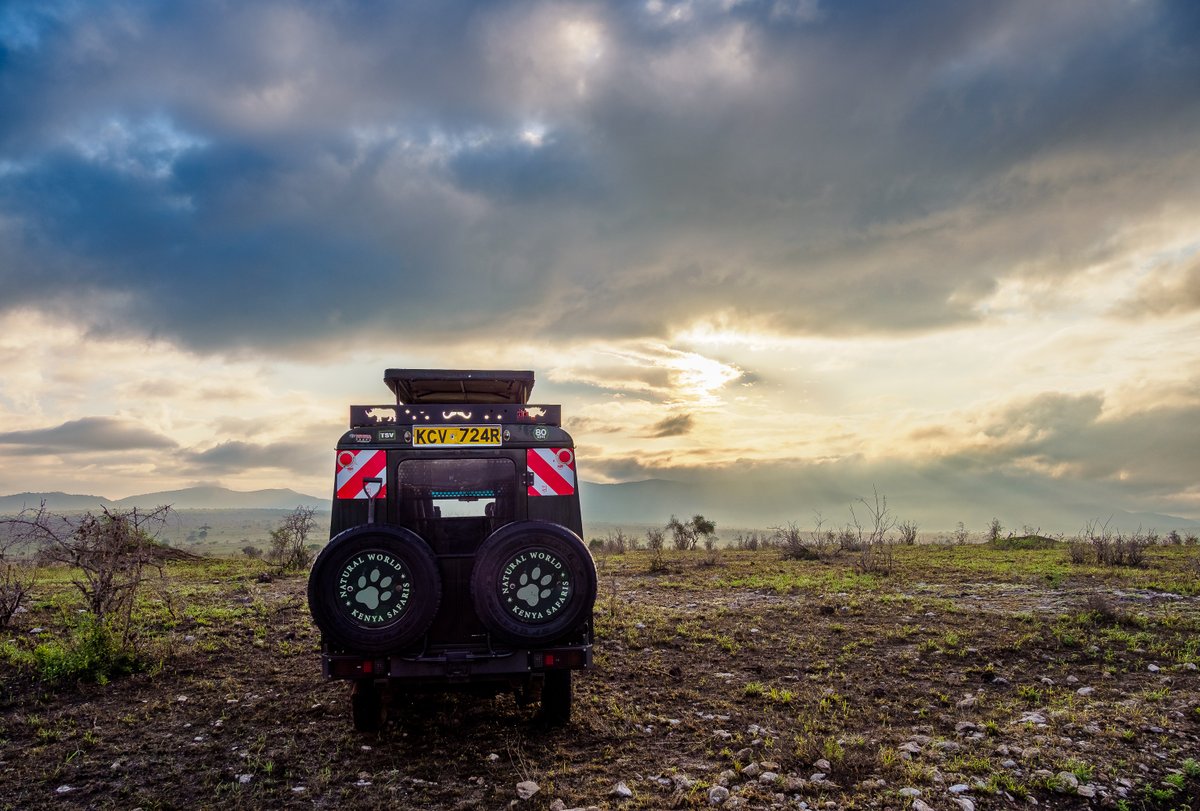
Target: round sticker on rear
<point>374,588</point>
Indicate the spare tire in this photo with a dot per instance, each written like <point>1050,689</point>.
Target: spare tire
<point>533,582</point>
<point>374,588</point>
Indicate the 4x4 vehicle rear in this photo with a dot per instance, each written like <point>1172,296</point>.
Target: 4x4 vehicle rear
<point>455,559</point>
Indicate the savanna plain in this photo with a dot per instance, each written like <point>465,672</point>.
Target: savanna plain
<point>1019,672</point>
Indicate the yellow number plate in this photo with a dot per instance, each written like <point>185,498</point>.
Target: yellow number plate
<point>437,435</point>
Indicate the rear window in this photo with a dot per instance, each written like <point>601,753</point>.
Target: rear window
<point>430,489</point>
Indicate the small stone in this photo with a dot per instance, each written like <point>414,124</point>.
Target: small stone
<point>492,757</point>
<point>63,789</point>
<point>909,791</point>
<point>752,770</point>
<point>299,789</point>
<point>964,803</point>
<point>245,778</point>
<point>717,795</point>
<point>746,755</point>
<point>816,777</point>
<point>36,631</point>
<point>1085,691</point>
<point>558,805</point>
<point>1072,680</point>
<point>1067,782</point>
<point>770,765</point>
<point>768,777</point>
<point>181,699</point>
<point>726,777</point>
<point>1009,764</point>
<point>361,783</point>
<point>949,746</point>
<point>910,747</point>
<point>1153,668</point>
<point>959,788</point>
<point>1046,680</point>
<point>621,791</point>
<point>526,789</point>
<point>963,727</point>
<point>1032,718</point>
<point>1088,791</point>
<point>1190,666</point>
<point>967,703</point>
<point>921,805</point>
<point>823,765</point>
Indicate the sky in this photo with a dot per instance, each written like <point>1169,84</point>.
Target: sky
<point>946,251</point>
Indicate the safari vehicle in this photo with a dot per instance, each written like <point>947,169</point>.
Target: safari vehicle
<point>455,559</point>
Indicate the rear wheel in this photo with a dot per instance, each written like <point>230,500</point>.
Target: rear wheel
<point>556,697</point>
<point>533,582</point>
<point>374,588</point>
<point>368,704</point>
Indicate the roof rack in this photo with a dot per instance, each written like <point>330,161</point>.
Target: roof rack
<point>459,386</point>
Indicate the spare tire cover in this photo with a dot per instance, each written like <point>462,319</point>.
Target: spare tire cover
<point>374,588</point>
<point>533,582</point>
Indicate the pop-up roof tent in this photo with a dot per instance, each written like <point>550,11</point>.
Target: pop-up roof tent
<point>459,386</point>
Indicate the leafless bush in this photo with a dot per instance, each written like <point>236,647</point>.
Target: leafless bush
<point>1103,609</point>
<point>1079,550</point>
<point>114,554</point>
<point>960,535</point>
<point>751,541</point>
<point>1191,539</point>
<point>994,529</point>
<point>616,542</point>
<point>289,541</point>
<point>1115,548</point>
<point>655,539</point>
<point>17,577</point>
<point>876,558</point>
<point>1173,538</point>
<point>790,541</point>
<point>908,532</point>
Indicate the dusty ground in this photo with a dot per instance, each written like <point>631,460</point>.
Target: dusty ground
<point>979,678</point>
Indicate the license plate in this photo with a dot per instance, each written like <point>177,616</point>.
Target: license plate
<point>436,435</point>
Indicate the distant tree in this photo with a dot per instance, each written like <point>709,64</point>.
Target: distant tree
<point>251,551</point>
<point>994,530</point>
<point>687,534</point>
<point>289,541</point>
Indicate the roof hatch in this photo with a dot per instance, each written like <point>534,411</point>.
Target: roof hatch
<point>459,386</point>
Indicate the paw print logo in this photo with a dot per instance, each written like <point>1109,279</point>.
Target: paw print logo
<point>533,590</point>
<point>374,591</point>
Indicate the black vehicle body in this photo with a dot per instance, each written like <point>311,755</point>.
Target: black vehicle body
<point>455,558</point>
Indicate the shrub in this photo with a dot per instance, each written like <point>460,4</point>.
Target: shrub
<point>111,555</point>
<point>16,582</point>
<point>994,530</point>
<point>908,532</point>
<point>289,541</point>
<point>790,541</point>
<point>686,534</point>
<point>93,652</point>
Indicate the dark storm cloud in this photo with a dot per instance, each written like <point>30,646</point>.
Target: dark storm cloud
<point>237,456</point>
<point>87,435</point>
<point>672,426</point>
<point>241,176</point>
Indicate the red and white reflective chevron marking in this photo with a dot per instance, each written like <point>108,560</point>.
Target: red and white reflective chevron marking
<point>353,467</point>
<point>553,471</point>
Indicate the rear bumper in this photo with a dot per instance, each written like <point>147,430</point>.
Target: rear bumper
<point>458,666</point>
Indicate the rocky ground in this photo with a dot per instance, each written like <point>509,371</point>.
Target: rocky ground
<point>964,678</point>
